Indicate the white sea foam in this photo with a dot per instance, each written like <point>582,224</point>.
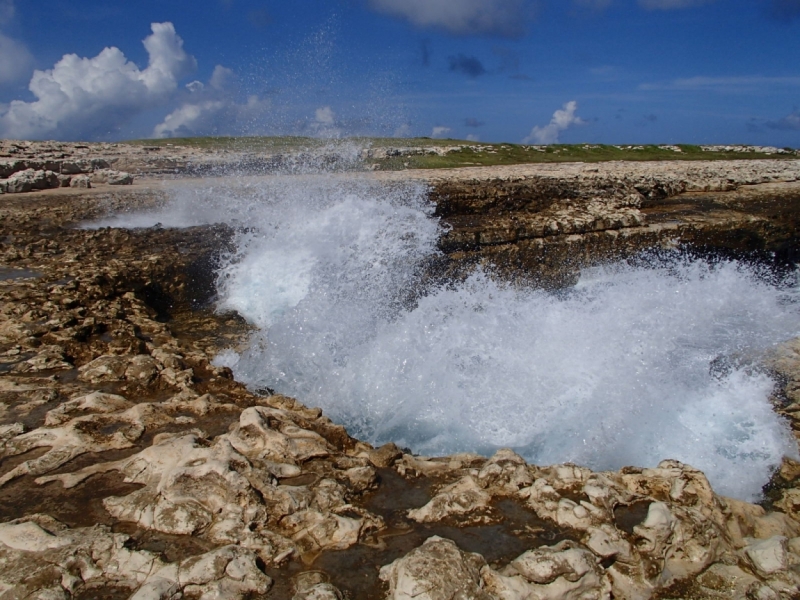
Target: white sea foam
<point>633,365</point>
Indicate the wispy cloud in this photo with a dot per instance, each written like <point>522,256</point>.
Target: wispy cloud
<point>506,18</point>
<point>722,84</point>
<point>470,66</point>
<point>790,122</point>
<point>440,132</point>
<point>16,61</point>
<point>562,120</point>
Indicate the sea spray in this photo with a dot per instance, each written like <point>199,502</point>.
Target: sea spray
<point>634,364</point>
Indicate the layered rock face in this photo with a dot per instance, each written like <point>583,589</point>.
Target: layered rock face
<point>549,221</point>
<point>132,467</point>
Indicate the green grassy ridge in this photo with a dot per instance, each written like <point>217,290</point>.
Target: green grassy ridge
<point>470,154</point>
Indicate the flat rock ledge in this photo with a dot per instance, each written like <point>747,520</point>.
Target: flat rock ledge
<point>131,467</point>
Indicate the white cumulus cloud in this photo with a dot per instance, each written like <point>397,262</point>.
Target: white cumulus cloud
<point>464,17</point>
<point>212,109</point>
<point>93,97</point>
<point>562,120</point>
<point>440,132</point>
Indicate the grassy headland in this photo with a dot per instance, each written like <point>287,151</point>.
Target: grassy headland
<point>427,153</point>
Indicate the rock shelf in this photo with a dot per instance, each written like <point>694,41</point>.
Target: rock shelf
<point>132,467</point>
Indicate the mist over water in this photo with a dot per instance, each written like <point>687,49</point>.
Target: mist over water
<point>635,364</point>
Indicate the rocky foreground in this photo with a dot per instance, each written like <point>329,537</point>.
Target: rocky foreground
<point>132,467</point>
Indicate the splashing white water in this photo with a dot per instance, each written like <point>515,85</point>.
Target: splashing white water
<point>633,365</point>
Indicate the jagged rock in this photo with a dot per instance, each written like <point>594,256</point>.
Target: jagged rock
<point>437,570</point>
<point>80,181</point>
<point>463,497</point>
<point>104,368</point>
<point>269,433</point>
<point>506,472</point>
<point>385,455</point>
<point>49,358</point>
<point>561,572</point>
<point>111,177</point>
<point>142,369</point>
<point>313,585</point>
<point>768,556</point>
<point>42,558</point>
<point>321,591</point>
<point>225,490</point>
<point>29,180</point>
<point>94,403</point>
<point>87,433</point>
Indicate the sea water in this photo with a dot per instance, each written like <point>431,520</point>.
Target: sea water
<point>636,363</point>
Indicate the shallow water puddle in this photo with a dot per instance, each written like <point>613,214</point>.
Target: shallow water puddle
<point>355,570</point>
<point>9,273</point>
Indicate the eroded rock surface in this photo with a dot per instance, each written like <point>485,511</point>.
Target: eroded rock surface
<point>130,465</point>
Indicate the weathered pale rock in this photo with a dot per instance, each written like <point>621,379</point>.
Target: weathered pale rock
<point>314,585</point>
<point>142,369</point>
<point>42,558</point>
<point>93,403</point>
<point>320,591</point>
<point>49,358</point>
<point>28,180</point>
<point>385,455</point>
<point>436,570</point>
<point>110,367</point>
<point>561,572</point>
<point>87,433</point>
<point>768,556</point>
<point>268,433</point>
<point>80,181</point>
<point>460,498</point>
<point>228,496</point>
<point>506,472</point>
<point>111,177</point>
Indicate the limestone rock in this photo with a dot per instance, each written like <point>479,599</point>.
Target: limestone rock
<point>313,585</point>
<point>29,180</point>
<point>225,490</point>
<point>42,558</point>
<point>436,570</point>
<point>768,556</point>
<point>321,591</point>
<point>561,572</point>
<point>507,471</point>
<point>460,498</point>
<point>87,433</point>
<point>49,358</point>
<point>80,181</point>
<point>111,177</point>
<point>104,368</point>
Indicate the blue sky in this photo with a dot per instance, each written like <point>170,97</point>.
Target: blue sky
<point>600,71</point>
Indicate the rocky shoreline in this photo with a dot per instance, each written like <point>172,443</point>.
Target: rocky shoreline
<point>132,467</point>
